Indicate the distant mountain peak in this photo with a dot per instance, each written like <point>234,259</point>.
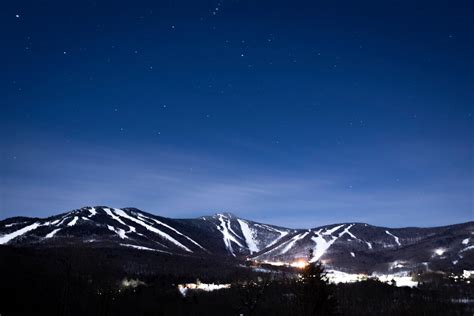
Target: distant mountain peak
<point>226,215</point>
<point>345,246</point>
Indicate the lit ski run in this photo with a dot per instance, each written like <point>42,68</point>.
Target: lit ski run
<point>395,237</point>
<point>249,236</point>
<point>6,238</point>
<point>227,236</point>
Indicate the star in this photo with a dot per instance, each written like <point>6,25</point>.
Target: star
<point>17,16</point>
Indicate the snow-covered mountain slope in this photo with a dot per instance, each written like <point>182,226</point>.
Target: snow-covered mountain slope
<point>365,248</point>
<point>244,237</point>
<point>347,247</point>
<point>125,227</point>
<point>221,234</point>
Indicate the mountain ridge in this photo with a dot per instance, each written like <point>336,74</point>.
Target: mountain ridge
<point>232,214</point>
<point>345,246</point>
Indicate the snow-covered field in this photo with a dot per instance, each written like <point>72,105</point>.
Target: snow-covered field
<point>208,287</point>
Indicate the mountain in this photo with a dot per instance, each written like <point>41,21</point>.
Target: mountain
<point>350,247</point>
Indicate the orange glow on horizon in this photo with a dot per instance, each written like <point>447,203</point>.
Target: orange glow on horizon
<point>299,264</point>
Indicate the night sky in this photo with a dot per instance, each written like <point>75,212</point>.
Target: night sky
<point>298,113</point>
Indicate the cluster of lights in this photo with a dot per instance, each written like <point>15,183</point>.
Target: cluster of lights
<point>299,264</point>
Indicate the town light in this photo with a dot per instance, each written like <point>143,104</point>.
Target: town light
<point>300,264</point>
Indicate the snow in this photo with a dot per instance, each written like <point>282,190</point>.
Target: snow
<point>398,264</point>
<point>405,281</point>
<point>118,231</point>
<point>115,217</point>
<point>332,230</point>
<point>122,214</point>
<point>465,241</point>
<point>226,235</point>
<point>346,231</point>
<point>455,262</point>
<point>276,263</point>
<point>51,234</point>
<point>184,288</point>
<point>92,211</point>
<point>73,222</point>
<point>440,251</point>
<point>359,240</point>
<point>351,234</point>
<point>175,230</point>
<point>400,279</point>
<point>353,254</point>
<point>322,245</point>
<point>249,236</point>
<point>13,224</point>
<point>229,227</point>
<point>292,242</point>
<point>281,232</point>
<point>467,248</point>
<point>397,240</point>
<point>144,248</point>
<point>7,237</point>
<point>62,220</point>
<point>336,277</point>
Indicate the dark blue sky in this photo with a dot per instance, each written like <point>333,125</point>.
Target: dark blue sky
<point>297,113</point>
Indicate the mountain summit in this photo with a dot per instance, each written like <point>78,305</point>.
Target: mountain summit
<point>355,247</point>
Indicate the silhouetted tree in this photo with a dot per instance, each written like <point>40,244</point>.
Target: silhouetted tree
<point>251,293</point>
<point>315,296</point>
